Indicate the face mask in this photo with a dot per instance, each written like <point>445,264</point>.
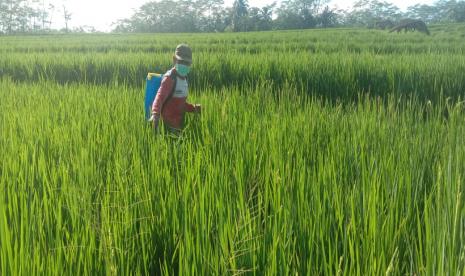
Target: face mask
<point>182,69</point>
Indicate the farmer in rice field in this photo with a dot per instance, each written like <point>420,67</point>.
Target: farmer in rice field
<point>170,103</point>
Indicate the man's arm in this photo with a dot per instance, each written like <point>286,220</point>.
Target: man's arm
<point>164,91</point>
<point>192,107</point>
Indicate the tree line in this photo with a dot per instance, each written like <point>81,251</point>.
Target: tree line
<point>29,16</point>
<point>367,13</point>
<point>212,16</point>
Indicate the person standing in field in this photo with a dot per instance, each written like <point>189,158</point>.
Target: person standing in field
<point>170,103</point>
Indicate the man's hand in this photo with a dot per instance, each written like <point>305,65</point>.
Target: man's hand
<point>197,108</point>
<point>155,119</point>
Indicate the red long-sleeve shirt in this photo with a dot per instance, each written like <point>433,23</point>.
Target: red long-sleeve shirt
<point>172,108</point>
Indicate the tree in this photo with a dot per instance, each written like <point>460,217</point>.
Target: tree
<point>458,13</point>
<point>35,15</point>
<point>239,17</point>
<point>13,16</point>
<point>299,6</point>
<point>3,16</point>
<point>429,14</point>
<point>162,16</point>
<point>267,17</point>
<point>298,14</point>
<point>208,12</point>
<point>223,19</point>
<point>51,9</point>
<point>124,26</point>
<point>450,11</point>
<point>328,18</point>
<point>66,17</point>
<point>368,12</point>
<point>260,19</point>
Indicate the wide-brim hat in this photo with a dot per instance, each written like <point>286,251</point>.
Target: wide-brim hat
<point>183,52</point>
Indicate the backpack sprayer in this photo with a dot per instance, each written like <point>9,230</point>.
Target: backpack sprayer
<point>152,84</point>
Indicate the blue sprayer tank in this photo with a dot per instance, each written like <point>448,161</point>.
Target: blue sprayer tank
<point>152,83</point>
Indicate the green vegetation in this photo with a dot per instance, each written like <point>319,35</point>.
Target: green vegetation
<point>331,153</point>
<point>333,63</point>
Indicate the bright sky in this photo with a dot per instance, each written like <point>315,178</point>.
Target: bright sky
<point>102,13</point>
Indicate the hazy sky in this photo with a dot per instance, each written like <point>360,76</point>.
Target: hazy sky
<point>101,13</point>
